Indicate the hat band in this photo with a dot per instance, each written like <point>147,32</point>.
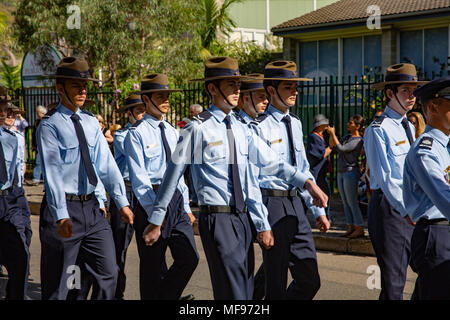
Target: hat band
<point>153,86</point>
<point>220,72</point>
<point>279,73</point>
<point>400,77</point>
<point>132,101</point>
<point>62,71</point>
<point>250,86</point>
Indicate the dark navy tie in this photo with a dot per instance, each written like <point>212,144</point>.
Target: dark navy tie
<point>408,131</point>
<point>287,121</point>
<point>3,173</point>
<point>237,187</point>
<point>165,143</point>
<point>90,171</point>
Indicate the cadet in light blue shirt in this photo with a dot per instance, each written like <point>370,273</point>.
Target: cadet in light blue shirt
<point>426,192</point>
<point>224,154</point>
<point>75,156</point>
<point>148,147</point>
<point>386,142</point>
<point>253,91</point>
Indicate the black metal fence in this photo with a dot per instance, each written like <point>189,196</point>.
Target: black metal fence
<point>338,99</point>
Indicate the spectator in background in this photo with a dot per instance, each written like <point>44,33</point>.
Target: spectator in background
<point>37,172</point>
<point>20,122</point>
<point>194,110</point>
<point>419,123</point>
<point>317,153</point>
<point>349,149</point>
<point>106,132</point>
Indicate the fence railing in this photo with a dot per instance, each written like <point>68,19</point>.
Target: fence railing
<point>337,99</point>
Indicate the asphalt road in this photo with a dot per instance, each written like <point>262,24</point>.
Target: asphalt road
<point>343,277</point>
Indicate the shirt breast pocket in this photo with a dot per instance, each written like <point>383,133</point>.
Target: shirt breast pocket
<point>152,156</point>
<point>69,153</point>
<point>215,151</point>
<point>399,148</point>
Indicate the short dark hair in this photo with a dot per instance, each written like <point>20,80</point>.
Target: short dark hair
<point>358,120</point>
<point>271,83</point>
<point>393,87</point>
<point>215,82</point>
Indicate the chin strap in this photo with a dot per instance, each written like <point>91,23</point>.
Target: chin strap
<point>401,105</point>
<point>253,104</point>
<point>279,97</point>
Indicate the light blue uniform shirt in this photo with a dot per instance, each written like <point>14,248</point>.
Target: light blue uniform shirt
<point>274,132</point>
<point>426,179</point>
<point>20,157</point>
<point>146,160</point>
<point>10,149</point>
<point>59,149</point>
<point>204,145</point>
<point>245,117</point>
<point>119,151</point>
<point>386,145</point>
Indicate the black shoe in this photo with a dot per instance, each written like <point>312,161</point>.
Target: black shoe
<point>188,297</point>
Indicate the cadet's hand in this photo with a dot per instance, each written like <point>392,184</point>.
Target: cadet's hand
<point>65,228</point>
<point>320,199</point>
<point>104,212</point>
<point>191,218</point>
<point>265,238</point>
<point>151,234</point>
<point>323,224</point>
<point>127,215</point>
<point>408,219</point>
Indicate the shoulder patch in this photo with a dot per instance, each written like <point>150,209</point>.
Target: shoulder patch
<point>136,124</point>
<point>87,112</point>
<point>378,121</point>
<point>203,116</point>
<point>294,115</point>
<point>260,118</point>
<point>49,114</point>
<point>426,143</point>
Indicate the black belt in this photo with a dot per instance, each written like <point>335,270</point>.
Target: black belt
<point>81,197</point>
<point>442,221</point>
<point>279,193</point>
<point>128,184</point>
<point>219,209</point>
<point>6,192</point>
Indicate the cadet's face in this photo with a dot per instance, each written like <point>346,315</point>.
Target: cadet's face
<point>231,90</point>
<point>138,112</point>
<point>3,112</point>
<point>287,91</point>
<point>161,99</point>
<point>10,118</point>
<point>76,90</point>
<point>260,100</point>
<point>444,114</point>
<point>405,95</point>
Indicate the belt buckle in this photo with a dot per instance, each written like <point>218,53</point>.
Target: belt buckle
<point>84,197</point>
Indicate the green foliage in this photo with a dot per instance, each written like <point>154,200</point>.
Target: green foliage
<point>10,75</point>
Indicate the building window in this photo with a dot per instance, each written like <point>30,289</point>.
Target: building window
<point>328,58</point>
<point>372,55</point>
<point>427,49</point>
<point>352,57</point>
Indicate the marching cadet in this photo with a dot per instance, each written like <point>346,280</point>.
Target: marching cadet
<point>148,147</point>
<point>294,245</point>
<point>254,98</point>
<point>75,155</point>
<point>224,153</point>
<point>14,220</point>
<point>426,194</point>
<point>387,141</point>
<point>134,107</point>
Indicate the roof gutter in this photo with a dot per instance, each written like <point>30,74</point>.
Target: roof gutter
<point>387,18</point>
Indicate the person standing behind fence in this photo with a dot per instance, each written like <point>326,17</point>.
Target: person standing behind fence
<point>387,141</point>
<point>37,172</point>
<point>349,149</point>
<point>317,153</point>
<point>418,121</point>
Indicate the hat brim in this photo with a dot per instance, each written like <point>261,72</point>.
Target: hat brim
<point>381,85</point>
<point>70,77</point>
<point>327,122</point>
<point>222,78</point>
<point>157,90</point>
<point>125,108</point>
<point>289,79</point>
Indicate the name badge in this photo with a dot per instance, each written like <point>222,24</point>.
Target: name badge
<point>400,142</point>
<point>151,145</point>
<point>215,144</point>
<point>276,141</point>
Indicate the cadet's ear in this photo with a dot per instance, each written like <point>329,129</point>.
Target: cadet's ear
<point>271,90</point>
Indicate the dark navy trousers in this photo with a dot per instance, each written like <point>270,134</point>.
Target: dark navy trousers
<point>430,259</point>
<point>15,239</point>
<point>92,245</point>
<point>293,250</point>
<point>390,235</point>
<point>177,235</point>
<point>227,240</point>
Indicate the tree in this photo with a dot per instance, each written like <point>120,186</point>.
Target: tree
<point>214,19</point>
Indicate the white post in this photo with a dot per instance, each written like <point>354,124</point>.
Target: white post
<point>315,5</point>
<point>268,16</point>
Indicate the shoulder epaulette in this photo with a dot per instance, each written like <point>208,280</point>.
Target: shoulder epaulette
<point>239,117</point>
<point>9,131</point>
<point>122,129</point>
<point>87,112</point>
<point>136,124</point>
<point>203,116</point>
<point>49,114</point>
<point>426,143</point>
<point>294,115</point>
<point>378,121</point>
